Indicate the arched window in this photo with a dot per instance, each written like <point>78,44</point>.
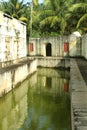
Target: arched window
<point>48,49</point>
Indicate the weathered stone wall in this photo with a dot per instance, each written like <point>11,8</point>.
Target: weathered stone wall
<point>48,46</point>
<point>12,38</point>
<point>75,46</point>
<point>78,46</point>
<point>56,46</point>
<point>53,62</point>
<point>84,46</point>
<point>10,77</point>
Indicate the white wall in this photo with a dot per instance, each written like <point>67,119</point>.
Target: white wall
<point>10,78</point>
<point>12,38</point>
<point>39,45</point>
<point>84,46</point>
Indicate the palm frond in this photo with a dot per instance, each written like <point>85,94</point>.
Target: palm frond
<point>51,20</point>
<point>24,19</point>
<point>45,13</point>
<point>78,7</point>
<point>35,2</point>
<point>82,20</point>
<point>45,21</point>
<point>55,20</point>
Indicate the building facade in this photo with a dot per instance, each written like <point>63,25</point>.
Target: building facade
<point>12,38</point>
<point>47,46</point>
<point>55,46</point>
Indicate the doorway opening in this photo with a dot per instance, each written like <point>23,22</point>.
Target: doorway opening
<point>48,49</point>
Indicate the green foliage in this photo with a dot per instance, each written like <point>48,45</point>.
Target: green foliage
<point>15,8</point>
<point>78,14</point>
<point>53,17</point>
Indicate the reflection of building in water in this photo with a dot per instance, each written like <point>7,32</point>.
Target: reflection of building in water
<point>27,105</point>
<point>13,108</point>
<point>56,81</point>
<point>48,82</point>
<point>66,85</point>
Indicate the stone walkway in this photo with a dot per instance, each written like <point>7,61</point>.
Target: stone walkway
<point>78,94</point>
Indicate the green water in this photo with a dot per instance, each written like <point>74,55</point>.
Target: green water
<point>41,102</point>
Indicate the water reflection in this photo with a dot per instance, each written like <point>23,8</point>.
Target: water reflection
<point>42,102</point>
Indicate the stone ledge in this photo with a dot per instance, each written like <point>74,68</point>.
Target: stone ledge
<point>78,96</point>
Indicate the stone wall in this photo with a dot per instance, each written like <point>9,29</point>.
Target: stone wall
<point>84,46</point>
<point>12,38</point>
<point>78,46</point>
<point>11,76</point>
<point>55,46</point>
<point>48,46</point>
<point>53,62</point>
<point>75,46</point>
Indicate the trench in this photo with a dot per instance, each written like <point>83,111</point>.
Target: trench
<point>41,102</point>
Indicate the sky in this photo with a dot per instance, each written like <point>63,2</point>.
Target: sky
<point>40,1</point>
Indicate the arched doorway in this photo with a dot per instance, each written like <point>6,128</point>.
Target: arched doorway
<point>48,49</point>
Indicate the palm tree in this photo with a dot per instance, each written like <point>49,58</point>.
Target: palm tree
<point>35,2</point>
<point>54,16</point>
<point>15,8</point>
<point>37,8</point>
<point>78,1</point>
<point>78,15</point>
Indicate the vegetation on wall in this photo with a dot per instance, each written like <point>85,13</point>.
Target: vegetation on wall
<point>50,18</point>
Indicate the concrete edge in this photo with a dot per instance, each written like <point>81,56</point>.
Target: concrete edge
<point>75,79</point>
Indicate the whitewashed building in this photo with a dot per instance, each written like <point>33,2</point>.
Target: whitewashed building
<point>61,46</point>
<point>12,38</point>
<point>49,46</point>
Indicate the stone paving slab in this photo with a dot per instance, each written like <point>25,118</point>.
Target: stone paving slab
<point>78,98</point>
